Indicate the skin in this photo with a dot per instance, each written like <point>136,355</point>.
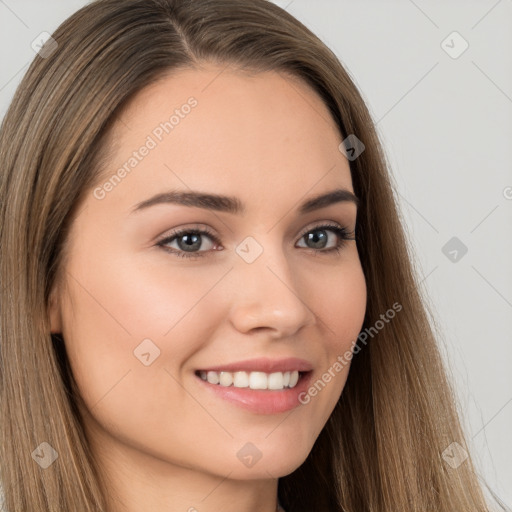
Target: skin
<point>163,443</point>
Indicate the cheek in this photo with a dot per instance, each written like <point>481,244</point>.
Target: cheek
<point>119,318</point>
<point>338,298</point>
<point>122,314</point>
<point>131,299</point>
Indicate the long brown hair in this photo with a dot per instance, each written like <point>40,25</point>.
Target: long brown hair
<point>381,449</point>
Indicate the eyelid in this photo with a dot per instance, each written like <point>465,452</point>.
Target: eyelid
<point>204,229</point>
<point>325,224</point>
<point>198,229</point>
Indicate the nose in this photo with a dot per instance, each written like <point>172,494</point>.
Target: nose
<point>267,298</point>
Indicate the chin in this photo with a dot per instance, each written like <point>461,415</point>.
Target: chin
<point>277,464</point>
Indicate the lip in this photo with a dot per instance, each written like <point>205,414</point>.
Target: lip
<point>259,401</point>
<point>263,364</point>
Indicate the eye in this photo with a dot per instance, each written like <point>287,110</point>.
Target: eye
<point>188,242</point>
<point>320,240</point>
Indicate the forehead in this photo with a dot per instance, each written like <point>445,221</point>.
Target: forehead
<point>203,128</point>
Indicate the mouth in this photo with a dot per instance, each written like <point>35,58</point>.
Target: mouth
<point>253,380</point>
<point>258,392</point>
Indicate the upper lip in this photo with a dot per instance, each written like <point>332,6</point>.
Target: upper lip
<point>264,364</point>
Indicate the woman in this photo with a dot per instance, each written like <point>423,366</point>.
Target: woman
<point>184,283</point>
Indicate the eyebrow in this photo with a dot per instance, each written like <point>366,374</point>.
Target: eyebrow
<point>233,205</point>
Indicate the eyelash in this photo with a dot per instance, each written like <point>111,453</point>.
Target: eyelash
<point>343,234</point>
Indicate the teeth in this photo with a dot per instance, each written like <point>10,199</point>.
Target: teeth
<point>212,377</point>
<point>252,380</point>
<point>241,380</point>
<point>276,381</point>
<point>226,379</point>
<point>294,377</point>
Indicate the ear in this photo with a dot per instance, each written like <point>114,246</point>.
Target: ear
<point>55,314</point>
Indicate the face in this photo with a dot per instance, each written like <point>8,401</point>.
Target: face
<point>255,289</point>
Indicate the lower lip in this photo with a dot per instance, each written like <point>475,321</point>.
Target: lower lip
<point>261,401</point>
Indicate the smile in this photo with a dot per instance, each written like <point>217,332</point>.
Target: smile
<point>252,380</point>
<point>256,391</point>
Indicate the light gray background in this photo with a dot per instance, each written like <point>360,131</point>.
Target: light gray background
<point>446,125</point>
